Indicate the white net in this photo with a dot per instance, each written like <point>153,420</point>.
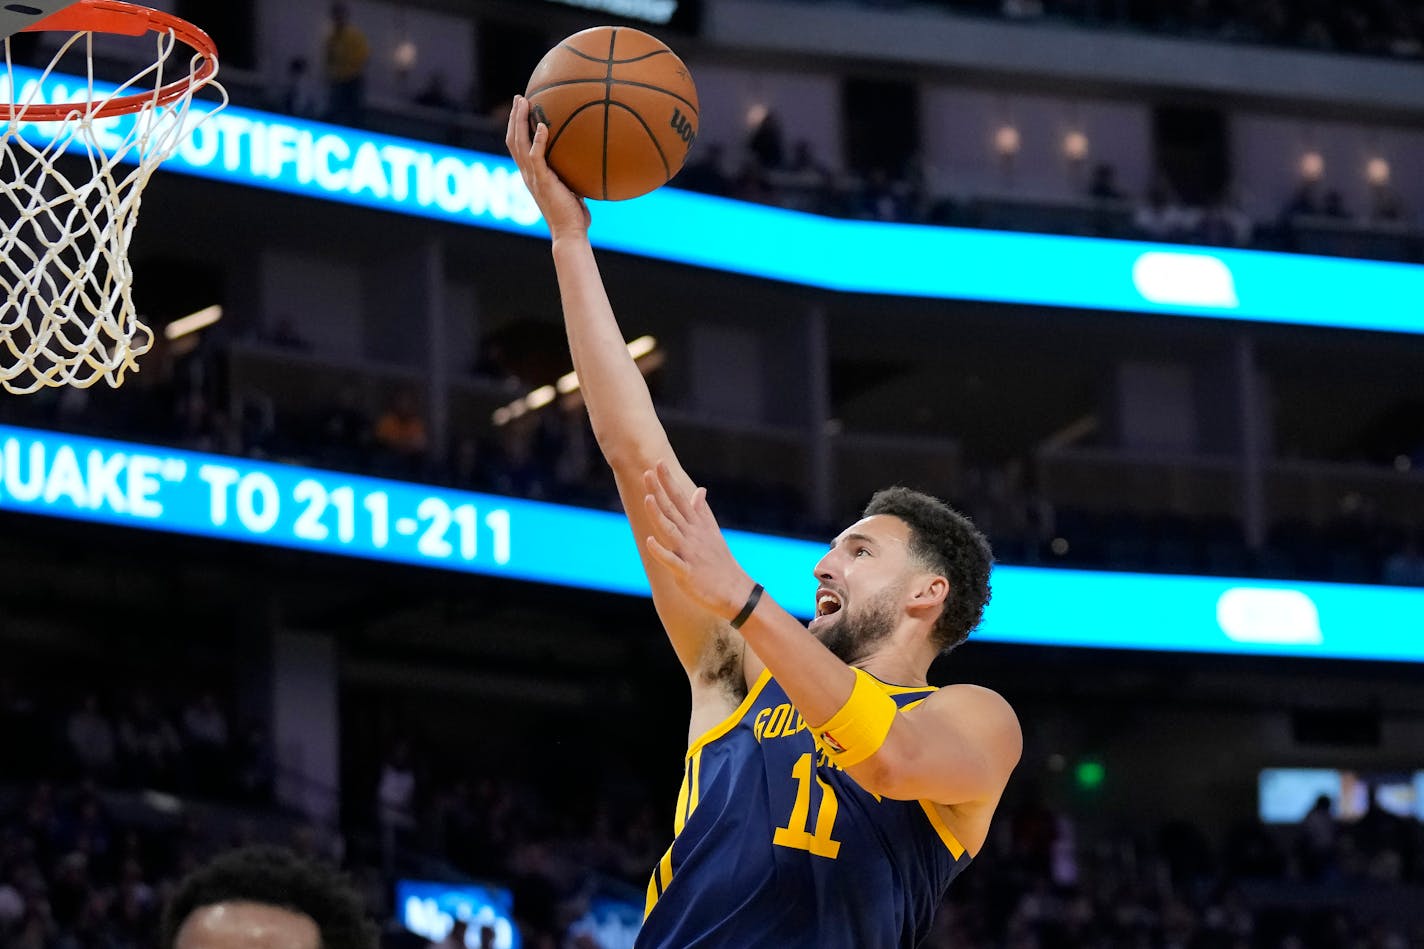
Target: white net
<point>71,193</point>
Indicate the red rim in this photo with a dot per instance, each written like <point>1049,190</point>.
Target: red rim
<point>124,19</point>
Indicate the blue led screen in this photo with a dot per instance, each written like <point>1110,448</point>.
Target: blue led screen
<point>258,149</point>
<point>328,512</point>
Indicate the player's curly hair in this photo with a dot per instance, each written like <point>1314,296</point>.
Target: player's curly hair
<point>276,877</point>
<point>946,542</point>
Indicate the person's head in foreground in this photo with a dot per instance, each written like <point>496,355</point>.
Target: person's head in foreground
<point>265,898</point>
<point>912,574</point>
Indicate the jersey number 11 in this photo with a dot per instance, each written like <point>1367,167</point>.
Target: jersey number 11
<point>796,834</point>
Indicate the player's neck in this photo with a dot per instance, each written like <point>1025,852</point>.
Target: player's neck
<point>895,661</point>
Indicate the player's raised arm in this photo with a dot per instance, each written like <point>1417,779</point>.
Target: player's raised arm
<point>620,407</point>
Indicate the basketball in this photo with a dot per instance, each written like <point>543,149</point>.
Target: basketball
<point>621,110</point>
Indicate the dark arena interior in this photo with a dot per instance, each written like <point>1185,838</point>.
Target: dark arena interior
<point>1133,284</point>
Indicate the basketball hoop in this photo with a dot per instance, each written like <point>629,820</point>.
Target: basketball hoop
<point>66,312</point>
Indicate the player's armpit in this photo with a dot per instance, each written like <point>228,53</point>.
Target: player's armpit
<point>710,651</point>
<point>957,746</point>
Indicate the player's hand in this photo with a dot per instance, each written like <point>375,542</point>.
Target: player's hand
<point>687,540</point>
<point>564,212</point>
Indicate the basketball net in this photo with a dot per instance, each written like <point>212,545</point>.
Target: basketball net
<point>71,189</point>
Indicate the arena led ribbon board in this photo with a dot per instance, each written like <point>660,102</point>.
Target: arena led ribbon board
<point>279,153</point>
<point>678,14</point>
<point>327,512</point>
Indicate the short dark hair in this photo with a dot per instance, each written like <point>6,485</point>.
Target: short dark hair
<point>275,876</point>
<point>945,541</point>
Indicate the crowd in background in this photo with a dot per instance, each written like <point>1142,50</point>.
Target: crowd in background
<point>135,737</point>
<point>81,865</point>
<point>551,455</point>
<point>1316,219</point>
<point>1371,27</point>
<point>764,168</point>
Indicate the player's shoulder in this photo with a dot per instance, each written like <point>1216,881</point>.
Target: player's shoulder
<point>969,692</point>
<point>988,708</point>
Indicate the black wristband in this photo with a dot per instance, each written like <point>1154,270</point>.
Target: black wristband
<point>752,599</point>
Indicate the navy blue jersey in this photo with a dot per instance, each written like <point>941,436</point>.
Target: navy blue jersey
<point>776,847</point>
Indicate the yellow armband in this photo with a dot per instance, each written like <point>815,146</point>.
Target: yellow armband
<point>859,729</point>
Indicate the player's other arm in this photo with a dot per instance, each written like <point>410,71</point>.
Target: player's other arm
<point>620,408</point>
<point>958,746</point>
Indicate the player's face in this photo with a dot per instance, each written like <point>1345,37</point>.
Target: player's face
<point>239,925</point>
<point>861,585</point>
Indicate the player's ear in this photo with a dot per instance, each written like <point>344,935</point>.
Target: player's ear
<point>930,589</point>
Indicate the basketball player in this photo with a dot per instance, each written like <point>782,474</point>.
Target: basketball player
<point>265,898</point>
<point>829,794</point>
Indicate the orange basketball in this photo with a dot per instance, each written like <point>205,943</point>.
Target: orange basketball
<point>621,110</point>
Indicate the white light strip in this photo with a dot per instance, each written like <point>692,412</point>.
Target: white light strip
<point>641,346</point>
<point>567,383</point>
<point>193,322</point>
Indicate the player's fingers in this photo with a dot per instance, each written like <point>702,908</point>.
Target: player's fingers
<point>516,138</point>
<point>665,482</point>
<point>660,521</point>
<point>539,145</point>
<point>658,496</point>
<point>518,128</point>
<point>702,508</point>
<point>666,557</point>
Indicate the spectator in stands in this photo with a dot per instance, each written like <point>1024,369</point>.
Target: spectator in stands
<point>751,183</point>
<point>1304,201</point>
<point>91,739</point>
<point>90,831</point>
<point>137,903</point>
<point>256,424</point>
<point>1162,217</point>
<point>395,801</point>
<point>343,431</point>
<point>517,470</point>
<point>206,739</point>
<point>766,143</point>
<point>299,94</point>
<point>806,171</point>
<point>573,469</point>
<point>1386,204</point>
<point>1318,833</point>
<point>347,52</point>
<point>879,200</point>
<point>253,765</point>
<point>149,743</point>
<point>12,906</point>
<point>260,897</point>
<point>1334,206</point>
<point>204,722</point>
<point>705,174</point>
<point>1103,184</point>
<point>467,467</point>
<point>400,435</point>
<point>1224,224</point>
<point>435,95</point>
<point>19,724</point>
<point>284,333</point>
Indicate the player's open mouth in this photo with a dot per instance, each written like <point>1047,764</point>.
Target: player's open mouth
<point>827,603</point>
